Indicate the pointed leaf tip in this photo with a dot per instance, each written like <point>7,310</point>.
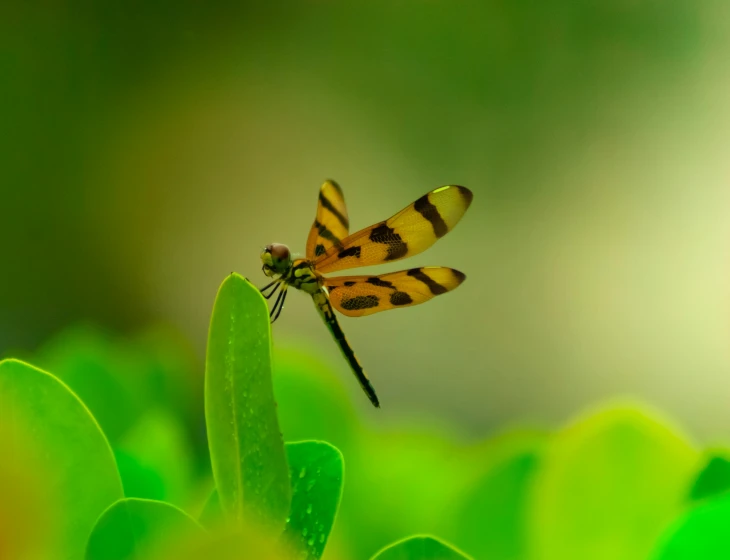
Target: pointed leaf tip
<point>421,547</point>
<point>133,528</point>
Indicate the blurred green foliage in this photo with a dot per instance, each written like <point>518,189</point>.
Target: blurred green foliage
<point>600,483</point>
<point>714,478</point>
<point>618,482</point>
<point>156,460</point>
<point>700,533</point>
<point>490,519</point>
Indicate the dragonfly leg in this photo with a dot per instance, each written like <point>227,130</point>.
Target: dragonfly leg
<point>276,284</point>
<point>282,297</point>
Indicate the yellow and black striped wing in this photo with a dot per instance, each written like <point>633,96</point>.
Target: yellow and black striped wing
<point>331,224</point>
<point>356,296</point>
<point>411,231</point>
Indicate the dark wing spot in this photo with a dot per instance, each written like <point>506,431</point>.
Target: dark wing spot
<point>397,248</point>
<point>319,250</point>
<point>350,283</point>
<point>360,302</point>
<point>325,202</point>
<point>430,212</point>
<point>460,276</point>
<point>384,234</point>
<point>331,289</point>
<point>324,233</point>
<point>335,185</point>
<point>467,194</point>
<point>351,252</point>
<point>397,251</point>
<point>400,298</point>
<point>434,286</point>
<point>375,281</point>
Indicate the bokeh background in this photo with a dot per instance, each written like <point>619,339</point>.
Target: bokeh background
<point>149,149</point>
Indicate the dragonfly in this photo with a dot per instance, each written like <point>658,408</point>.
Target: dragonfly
<point>331,248</point>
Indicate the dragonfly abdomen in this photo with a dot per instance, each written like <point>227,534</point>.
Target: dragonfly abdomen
<point>321,301</point>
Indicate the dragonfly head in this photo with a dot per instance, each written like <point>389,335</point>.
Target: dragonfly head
<point>276,258</point>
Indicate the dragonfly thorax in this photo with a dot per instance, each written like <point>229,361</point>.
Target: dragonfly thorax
<point>303,277</point>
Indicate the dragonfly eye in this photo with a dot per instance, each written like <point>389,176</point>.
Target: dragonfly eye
<point>279,252</point>
<point>276,258</point>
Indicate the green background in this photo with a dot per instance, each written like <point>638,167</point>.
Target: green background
<point>149,149</point>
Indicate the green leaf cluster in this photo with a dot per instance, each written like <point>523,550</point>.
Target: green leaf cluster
<point>111,458</point>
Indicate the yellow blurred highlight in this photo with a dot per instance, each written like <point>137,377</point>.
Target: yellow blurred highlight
<point>27,511</point>
<point>250,541</point>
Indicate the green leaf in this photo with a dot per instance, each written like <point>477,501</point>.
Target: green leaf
<point>68,442</point>
<point>701,533</point>
<point>246,447</point>
<point>133,529</point>
<point>608,486</point>
<point>420,547</point>
<point>714,478</point>
<point>491,521</point>
<point>316,470</point>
